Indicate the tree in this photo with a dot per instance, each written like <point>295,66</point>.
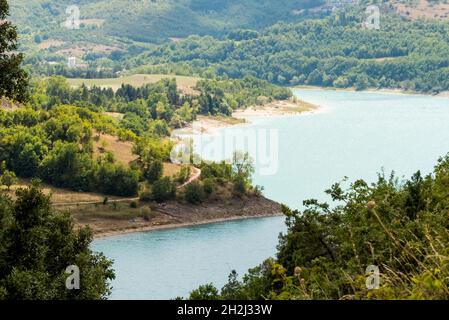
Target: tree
<point>242,164</point>
<point>154,170</point>
<point>243,168</point>
<point>194,193</point>
<point>164,189</point>
<point>13,80</point>
<point>8,179</point>
<point>205,292</point>
<point>38,244</point>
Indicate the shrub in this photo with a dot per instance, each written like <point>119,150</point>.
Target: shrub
<point>163,190</point>
<point>240,185</point>
<point>154,171</point>
<point>209,186</point>
<point>146,213</point>
<point>145,196</point>
<point>8,179</point>
<point>194,193</point>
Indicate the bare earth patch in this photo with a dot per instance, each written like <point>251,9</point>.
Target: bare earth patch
<point>90,22</point>
<point>210,124</point>
<point>276,108</point>
<point>115,219</point>
<point>122,150</point>
<point>60,195</point>
<point>50,43</point>
<point>422,9</point>
<point>7,105</point>
<point>185,84</point>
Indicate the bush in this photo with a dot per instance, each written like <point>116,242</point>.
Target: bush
<point>146,213</point>
<point>145,196</point>
<point>8,179</point>
<point>37,244</point>
<point>240,185</point>
<point>154,171</point>
<point>194,193</point>
<point>163,190</point>
<point>209,186</point>
<point>117,180</point>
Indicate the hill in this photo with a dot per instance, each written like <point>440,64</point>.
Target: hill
<point>153,20</point>
<point>423,9</point>
<point>112,31</point>
<point>336,51</point>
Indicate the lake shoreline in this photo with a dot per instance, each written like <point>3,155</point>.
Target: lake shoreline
<point>444,94</point>
<point>119,218</point>
<point>110,234</point>
<point>275,109</point>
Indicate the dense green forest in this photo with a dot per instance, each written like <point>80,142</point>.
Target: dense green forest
<point>401,227</point>
<point>336,51</point>
<point>157,20</point>
<point>52,137</point>
<point>37,244</point>
<point>312,47</point>
<point>110,32</point>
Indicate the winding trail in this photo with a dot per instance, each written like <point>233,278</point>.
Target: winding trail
<point>196,175</point>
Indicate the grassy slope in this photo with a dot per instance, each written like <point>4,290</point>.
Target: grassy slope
<point>136,80</point>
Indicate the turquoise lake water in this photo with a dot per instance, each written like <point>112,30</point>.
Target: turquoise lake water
<point>354,134</point>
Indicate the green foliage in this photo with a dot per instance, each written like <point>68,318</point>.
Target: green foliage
<point>154,109</point>
<point>203,293</point>
<point>154,171</point>
<point>335,51</point>
<point>13,79</point>
<point>400,227</point>
<point>209,186</point>
<point>163,190</point>
<point>56,146</point>
<point>37,244</point>
<point>222,97</point>
<point>155,21</point>
<point>243,168</point>
<point>8,178</point>
<point>194,193</point>
<point>183,175</point>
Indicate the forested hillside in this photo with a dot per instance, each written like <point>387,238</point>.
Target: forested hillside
<point>235,39</point>
<point>336,51</point>
<point>112,31</point>
<point>156,20</point>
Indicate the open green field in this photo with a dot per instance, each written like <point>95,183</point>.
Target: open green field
<point>136,80</point>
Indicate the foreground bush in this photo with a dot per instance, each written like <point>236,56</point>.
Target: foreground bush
<point>37,245</point>
<point>401,228</point>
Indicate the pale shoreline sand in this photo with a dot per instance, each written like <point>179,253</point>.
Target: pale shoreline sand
<point>109,234</point>
<point>211,124</point>
<point>444,94</point>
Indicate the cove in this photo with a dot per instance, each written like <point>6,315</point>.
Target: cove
<point>354,134</point>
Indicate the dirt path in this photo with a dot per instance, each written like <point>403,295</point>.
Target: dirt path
<point>94,202</point>
<point>196,175</point>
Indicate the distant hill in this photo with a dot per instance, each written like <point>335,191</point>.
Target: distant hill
<point>423,9</point>
<point>157,20</point>
<point>338,51</point>
<point>113,30</point>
